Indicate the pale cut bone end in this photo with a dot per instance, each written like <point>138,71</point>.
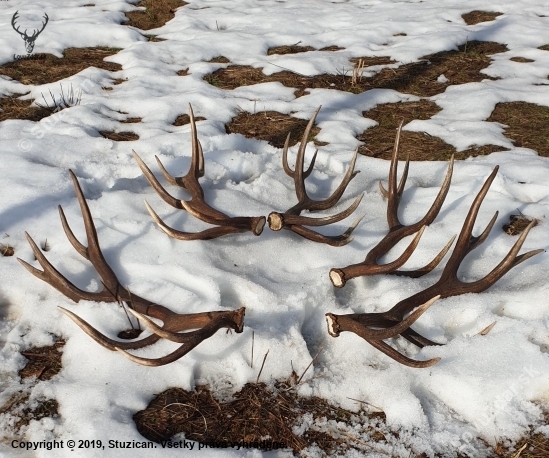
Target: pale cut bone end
<point>337,277</point>
<point>276,221</point>
<point>333,327</point>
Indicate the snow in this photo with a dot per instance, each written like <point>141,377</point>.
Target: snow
<point>487,387</point>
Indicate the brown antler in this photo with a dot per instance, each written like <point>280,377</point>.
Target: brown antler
<point>197,205</point>
<point>375,327</point>
<point>397,231</point>
<point>292,219</point>
<point>206,324</point>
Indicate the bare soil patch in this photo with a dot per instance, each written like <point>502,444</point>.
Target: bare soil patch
<point>270,126</point>
<point>418,78</point>
<point>120,136</point>
<point>51,68</point>
<point>157,13</point>
<point>379,140</point>
<point>527,124</point>
<point>476,17</point>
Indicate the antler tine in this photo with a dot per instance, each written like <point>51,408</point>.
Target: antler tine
<point>397,231</point>
<point>206,234</point>
<point>390,324</point>
<point>103,340</point>
<point>285,165</point>
<point>196,206</point>
<point>292,219</point>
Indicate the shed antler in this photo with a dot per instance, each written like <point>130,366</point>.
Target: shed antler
<point>375,327</point>
<point>204,324</point>
<point>292,219</point>
<point>197,206</point>
<point>397,230</point>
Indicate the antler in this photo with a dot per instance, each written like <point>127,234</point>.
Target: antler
<point>375,327</point>
<point>197,205</point>
<point>397,231</point>
<point>292,219</point>
<point>206,324</point>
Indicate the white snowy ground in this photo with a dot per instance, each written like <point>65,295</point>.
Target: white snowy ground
<point>488,387</point>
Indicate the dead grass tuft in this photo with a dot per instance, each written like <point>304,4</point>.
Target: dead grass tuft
<point>183,120</point>
<point>476,17</point>
<point>523,60</point>
<point>131,120</point>
<point>6,250</point>
<point>527,124</point>
<point>291,49</point>
<point>51,68</point>
<point>22,413</point>
<point>332,48</point>
<point>183,72</point>
<point>419,78</point>
<point>517,224</point>
<point>14,108</point>
<point>219,60</point>
<point>544,47</point>
<point>270,126</point>
<point>156,14</point>
<point>255,414</point>
<point>120,136</point>
<point>379,140</point>
<point>43,362</point>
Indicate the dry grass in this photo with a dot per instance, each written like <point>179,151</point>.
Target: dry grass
<point>51,68</point>
<point>183,120</point>
<point>523,60</point>
<point>43,362</point>
<point>527,124</point>
<point>270,126</point>
<point>131,120</point>
<point>256,414</point>
<point>544,47</point>
<point>379,140</point>
<point>156,14</point>
<point>418,78</point>
<point>476,17</point>
<point>120,136</point>
<point>517,224</point>
<point>267,415</point>
<point>291,49</point>
<point>219,60</point>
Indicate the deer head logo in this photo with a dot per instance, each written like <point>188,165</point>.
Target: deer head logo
<point>29,40</point>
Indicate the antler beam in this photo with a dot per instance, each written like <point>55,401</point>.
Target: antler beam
<point>397,230</point>
<point>205,324</point>
<point>197,206</point>
<point>376,327</point>
<point>292,220</point>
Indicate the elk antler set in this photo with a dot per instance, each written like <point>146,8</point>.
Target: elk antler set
<point>376,327</point>
<point>373,327</point>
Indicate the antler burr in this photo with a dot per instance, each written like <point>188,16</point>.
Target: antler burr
<point>292,220</point>
<point>197,206</point>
